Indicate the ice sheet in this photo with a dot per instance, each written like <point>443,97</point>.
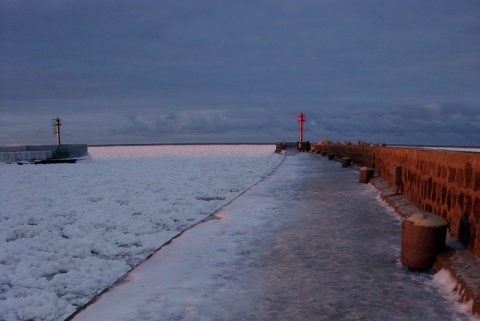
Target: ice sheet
<point>67,231</point>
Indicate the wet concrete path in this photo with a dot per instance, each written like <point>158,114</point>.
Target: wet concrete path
<point>306,243</point>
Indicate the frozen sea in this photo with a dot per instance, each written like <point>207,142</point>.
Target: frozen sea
<point>67,231</point>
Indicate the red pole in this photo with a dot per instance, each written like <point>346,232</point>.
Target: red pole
<point>301,119</point>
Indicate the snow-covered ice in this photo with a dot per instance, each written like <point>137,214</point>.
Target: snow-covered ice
<point>306,243</point>
<point>457,149</point>
<point>447,284</point>
<point>67,231</point>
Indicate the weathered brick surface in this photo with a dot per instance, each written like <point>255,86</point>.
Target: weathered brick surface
<point>441,182</point>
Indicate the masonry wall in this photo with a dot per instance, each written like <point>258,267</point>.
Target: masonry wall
<point>441,182</point>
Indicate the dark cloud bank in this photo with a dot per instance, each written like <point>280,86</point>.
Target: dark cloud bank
<point>399,72</point>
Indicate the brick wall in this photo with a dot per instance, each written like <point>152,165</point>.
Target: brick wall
<point>441,182</point>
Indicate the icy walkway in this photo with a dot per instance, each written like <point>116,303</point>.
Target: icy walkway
<point>306,243</point>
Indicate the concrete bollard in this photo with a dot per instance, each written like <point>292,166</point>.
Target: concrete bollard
<point>331,156</point>
<point>365,174</point>
<point>346,161</point>
<point>423,238</point>
<point>279,146</point>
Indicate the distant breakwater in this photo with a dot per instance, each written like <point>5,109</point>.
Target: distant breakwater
<point>446,183</point>
<point>9,154</point>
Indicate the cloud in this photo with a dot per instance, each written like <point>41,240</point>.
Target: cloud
<point>412,124</point>
<point>432,107</point>
<point>183,71</point>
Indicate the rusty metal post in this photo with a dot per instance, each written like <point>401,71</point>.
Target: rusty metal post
<point>397,177</point>
<point>365,174</point>
<point>423,238</point>
<point>346,161</point>
<point>56,128</point>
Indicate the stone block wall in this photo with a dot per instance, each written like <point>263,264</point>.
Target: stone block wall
<point>442,182</point>
<point>359,154</point>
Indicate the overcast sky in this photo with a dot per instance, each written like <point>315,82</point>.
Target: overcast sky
<point>395,72</point>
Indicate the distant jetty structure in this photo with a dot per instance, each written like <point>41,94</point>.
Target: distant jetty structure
<point>42,153</point>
